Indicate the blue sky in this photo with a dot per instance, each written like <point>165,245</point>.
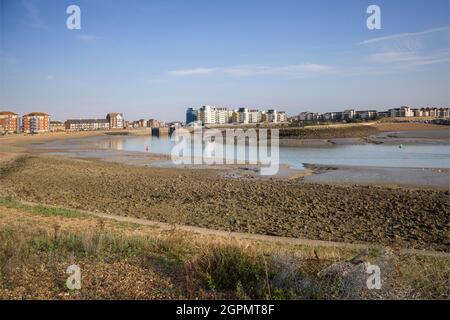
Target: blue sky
<point>153,59</point>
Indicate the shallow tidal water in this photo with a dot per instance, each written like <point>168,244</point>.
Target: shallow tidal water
<point>369,155</point>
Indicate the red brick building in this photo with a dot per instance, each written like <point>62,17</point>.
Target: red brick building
<point>116,120</point>
<point>36,122</point>
<point>9,122</point>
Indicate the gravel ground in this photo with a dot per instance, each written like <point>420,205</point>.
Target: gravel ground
<point>416,218</point>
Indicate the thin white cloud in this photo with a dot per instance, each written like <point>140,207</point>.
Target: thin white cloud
<point>404,35</point>
<point>256,70</point>
<point>191,72</point>
<point>34,18</point>
<point>410,58</point>
<point>87,37</point>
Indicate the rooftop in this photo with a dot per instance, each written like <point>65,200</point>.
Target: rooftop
<point>3,113</point>
<point>33,114</point>
<point>81,121</point>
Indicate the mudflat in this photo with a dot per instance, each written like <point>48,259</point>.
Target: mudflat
<point>416,218</point>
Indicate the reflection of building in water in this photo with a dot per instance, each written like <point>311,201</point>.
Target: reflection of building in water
<point>116,144</point>
<point>113,143</point>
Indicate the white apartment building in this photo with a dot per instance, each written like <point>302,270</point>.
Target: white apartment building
<point>349,114</point>
<point>244,116</point>
<point>272,116</point>
<point>402,112</point>
<point>221,115</point>
<point>206,115</point>
<point>254,116</point>
<point>215,115</point>
<point>281,116</point>
<point>212,115</point>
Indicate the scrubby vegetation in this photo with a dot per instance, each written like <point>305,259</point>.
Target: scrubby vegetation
<point>126,261</point>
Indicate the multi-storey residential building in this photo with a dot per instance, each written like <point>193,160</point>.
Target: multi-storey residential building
<point>206,115</point>
<point>281,116</point>
<point>303,116</point>
<point>366,114</point>
<point>116,120</point>
<point>153,123</point>
<point>264,117</point>
<point>191,115</point>
<point>221,115</point>
<point>272,115</point>
<point>9,122</point>
<point>142,123</point>
<point>213,115</point>
<point>349,114</point>
<point>444,112</point>
<point>56,126</point>
<point>313,116</point>
<point>36,122</point>
<point>232,116</point>
<point>417,112</point>
<point>87,124</point>
<point>435,112</point>
<point>243,115</point>
<point>254,116</point>
<point>401,112</point>
<point>330,116</point>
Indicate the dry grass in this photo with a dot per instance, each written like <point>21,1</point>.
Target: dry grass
<point>123,261</point>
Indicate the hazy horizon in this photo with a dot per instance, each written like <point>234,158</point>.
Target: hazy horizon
<point>154,59</point>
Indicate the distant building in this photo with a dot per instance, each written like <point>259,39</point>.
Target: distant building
<point>153,123</point>
<point>349,114</point>
<point>264,117</point>
<point>435,112</point>
<point>142,123</point>
<point>313,116</point>
<point>9,122</point>
<point>191,115</point>
<point>444,112</point>
<point>213,115</point>
<point>254,116</point>
<point>244,116</point>
<point>272,116</point>
<point>233,116</point>
<point>330,116</point>
<point>87,124</point>
<point>56,126</point>
<point>35,122</point>
<point>366,115</point>
<point>116,120</point>
<point>383,114</point>
<point>219,115</point>
<point>401,112</point>
<point>281,116</point>
<point>303,116</point>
